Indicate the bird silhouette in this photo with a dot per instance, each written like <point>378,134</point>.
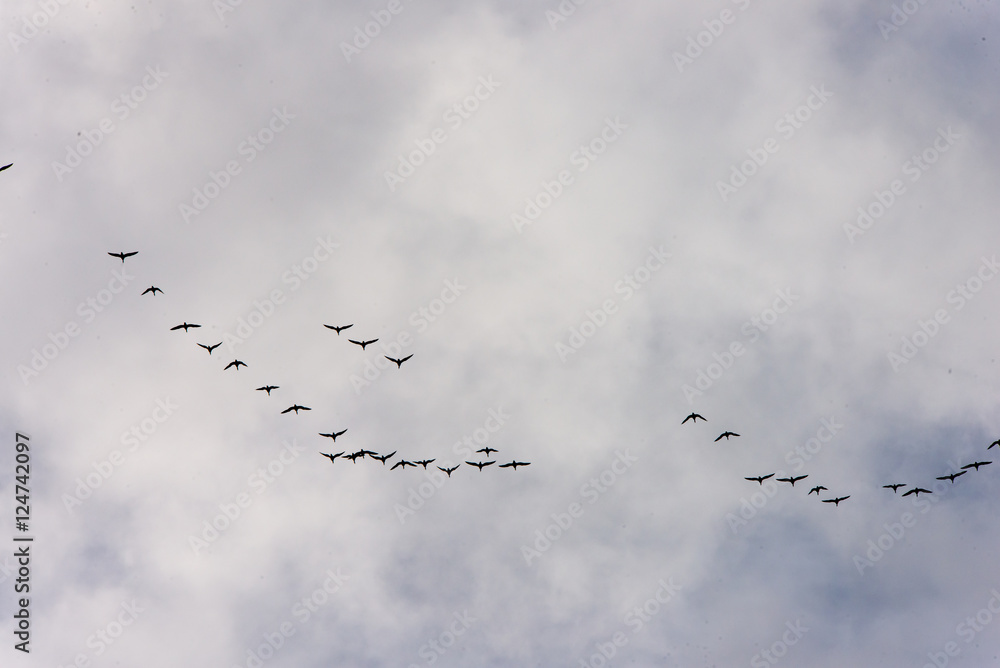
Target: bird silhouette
<point>449,471</point>
<point>333,434</point>
<point>235,363</point>
<point>185,327</point>
<point>976,465</point>
<point>338,329</point>
<point>6,167</point>
<point>487,450</point>
<point>122,256</point>
<point>152,289</point>
<point>817,489</point>
<point>424,462</point>
<point>514,465</point>
<point>399,363</point>
<point>355,455</point>
<point>994,444</point>
<point>363,344</point>
<point>792,480</point>
<point>210,348</point>
<point>894,487</point>
<point>332,457</point>
<point>951,478</point>
<point>695,417</point>
<point>404,464</point>
<point>480,465</point>
<point>917,491</point>
<point>761,478</point>
<point>267,388</point>
<point>296,408</point>
<point>368,452</point>
<point>725,434</point>
<point>382,458</point>
<point>836,501</point>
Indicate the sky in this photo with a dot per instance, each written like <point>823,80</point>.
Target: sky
<point>585,220</point>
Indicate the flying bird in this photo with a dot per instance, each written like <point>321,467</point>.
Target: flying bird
<point>399,363</point>
<point>449,471</point>
<point>354,456</point>
<point>994,443</point>
<point>363,343</point>
<point>480,465</point>
<point>894,487</point>
<point>235,363</point>
<point>152,289</point>
<point>404,464</point>
<point>332,457</point>
<point>296,408</point>
<point>817,489</point>
<point>211,348</point>
<point>792,480</point>
<point>122,256</point>
<point>338,329</point>
<point>382,458</point>
<point>725,434</point>
<point>267,388</point>
<point>951,478</point>
<point>487,450</point>
<point>333,434</point>
<point>976,465</point>
<point>695,417</point>
<point>6,166</point>
<point>424,462</point>
<point>761,478</point>
<point>918,491</point>
<point>836,501</point>
<point>185,327</point>
<point>514,464</point>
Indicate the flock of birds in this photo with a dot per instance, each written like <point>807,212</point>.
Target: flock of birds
<point>353,456</point>
<point>791,480</point>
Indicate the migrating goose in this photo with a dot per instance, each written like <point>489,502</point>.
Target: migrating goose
<point>152,289</point>
<point>918,491</point>
<point>235,363</point>
<point>514,464</point>
<point>185,327</point>
<point>296,408</point>
<point>122,256</point>
<point>210,348</point>
<point>792,480</point>
<point>817,489</point>
<point>480,465</point>
<point>487,450</point>
<point>267,388</point>
<point>761,478</point>
<point>836,501</point>
<point>382,458</point>
<point>404,464</point>
<point>449,471</point>
<point>338,329</point>
<point>363,344</point>
<point>976,465</point>
<point>951,478</point>
<point>399,363</point>
<point>725,434</point>
<point>332,457</point>
<point>334,434</point>
<point>695,417</point>
<point>355,455</point>
<point>424,462</point>
<point>894,487</point>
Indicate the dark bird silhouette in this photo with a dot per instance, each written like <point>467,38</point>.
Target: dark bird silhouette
<point>448,471</point>
<point>185,327</point>
<point>404,464</point>
<point>399,363</point>
<point>480,465</point>
<point>836,501</point>
<point>918,491</point>
<point>725,434</point>
<point>760,479</point>
<point>235,363</point>
<point>695,417</point>
<point>122,256</point>
<point>267,388</point>
<point>334,434</point>
<point>951,478</point>
<point>487,450</point>
<point>152,289</point>
<point>332,457</point>
<point>367,452</point>
<point>514,465</point>
<point>382,458</point>
<point>296,408</point>
<point>994,443</point>
<point>817,489</point>
<point>424,462</point>
<point>338,329</point>
<point>210,348</point>
<point>976,465</point>
<point>355,455</point>
<point>363,343</point>
<point>894,487</point>
<point>6,167</point>
<point>792,480</point>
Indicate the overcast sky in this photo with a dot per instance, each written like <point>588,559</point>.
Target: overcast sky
<point>584,221</point>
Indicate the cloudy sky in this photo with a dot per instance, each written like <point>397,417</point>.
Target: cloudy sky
<point>584,221</point>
